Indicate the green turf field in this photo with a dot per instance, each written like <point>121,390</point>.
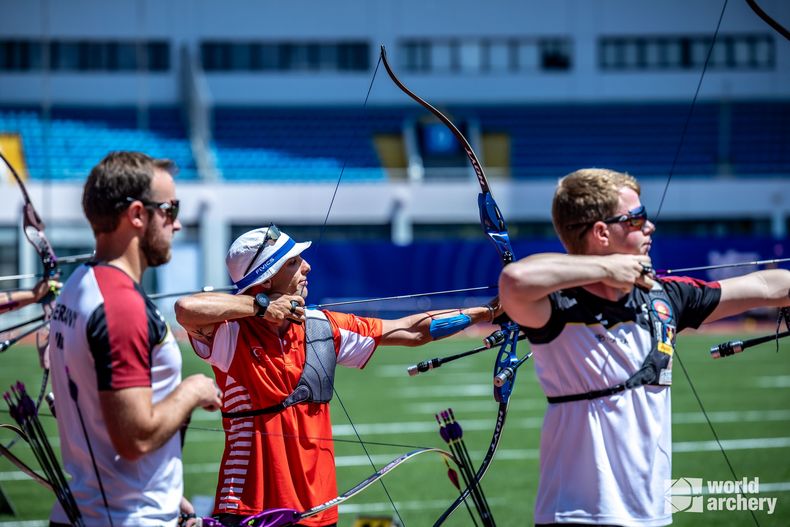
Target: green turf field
<point>747,397</point>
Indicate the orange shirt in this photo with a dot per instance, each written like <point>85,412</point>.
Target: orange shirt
<point>285,459</point>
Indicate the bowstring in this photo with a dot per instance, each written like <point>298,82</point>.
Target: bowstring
<point>672,168</point>
<point>782,316</point>
<point>690,113</point>
<point>317,245</point>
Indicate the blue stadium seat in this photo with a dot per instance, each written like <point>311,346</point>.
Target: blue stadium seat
<point>546,140</point>
<point>314,144</point>
<point>298,144</point>
<point>75,139</point>
<point>761,137</point>
<point>552,140</point>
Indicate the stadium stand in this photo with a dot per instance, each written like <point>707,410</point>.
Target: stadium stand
<point>75,138</point>
<point>550,140</point>
<point>300,143</point>
<point>761,138</point>
<point>313,144</point>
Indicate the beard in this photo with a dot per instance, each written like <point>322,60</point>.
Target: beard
<point>155,247</point>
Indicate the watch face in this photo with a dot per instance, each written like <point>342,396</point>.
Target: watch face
<point>263,302</point>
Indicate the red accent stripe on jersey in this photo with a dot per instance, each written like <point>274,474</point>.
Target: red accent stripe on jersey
<point>696,282</point>
<point>127,329</point>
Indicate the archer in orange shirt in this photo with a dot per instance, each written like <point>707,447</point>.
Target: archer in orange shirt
<point>274,359</point>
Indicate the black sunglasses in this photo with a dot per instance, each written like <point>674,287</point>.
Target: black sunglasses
<point>273,234</point>
<point>170,208</point>
<point>635,218</point>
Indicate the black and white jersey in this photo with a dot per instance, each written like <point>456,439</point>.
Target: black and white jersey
<point>618,448</point>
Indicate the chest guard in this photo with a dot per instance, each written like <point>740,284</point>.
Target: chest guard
<point>656,370</point>
<point>316,384</point>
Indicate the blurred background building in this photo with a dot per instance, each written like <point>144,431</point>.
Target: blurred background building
<point>265,105</point>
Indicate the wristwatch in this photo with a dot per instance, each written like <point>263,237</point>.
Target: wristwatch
<point>262,301</point>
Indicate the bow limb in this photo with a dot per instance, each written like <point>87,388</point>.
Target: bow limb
<point>21,465</point>
<point>490,216</point>
<point>383,471</point>
<point>493,224</point>
<point>779,28</point>
<point>470,153</point>
<point>33,227</point>
<point>287,517</point>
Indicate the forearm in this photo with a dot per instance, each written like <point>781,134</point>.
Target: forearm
<point>776,286</point>
<point>11,300</point>
<point>769,288</point>
<point>421,328</point>
<point>170,414</point>
<point>137,427</point>
<point>539,275</point>
<point>205,309</point>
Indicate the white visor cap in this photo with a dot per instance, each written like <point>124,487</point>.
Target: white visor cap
<point>267,262</point>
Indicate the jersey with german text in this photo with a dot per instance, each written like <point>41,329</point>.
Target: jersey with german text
<point>111,337</point>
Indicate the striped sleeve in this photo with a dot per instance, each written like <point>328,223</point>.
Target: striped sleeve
<point>221,350</point>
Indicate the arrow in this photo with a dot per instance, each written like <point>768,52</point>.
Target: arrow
<point>663,272</point>
<point>452,474</point>
<point>77,258</point>
<point>491,341</point>
<point>24,411</point>
<point>402,297</point>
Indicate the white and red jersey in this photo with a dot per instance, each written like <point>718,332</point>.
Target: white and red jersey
<point>283,459</point>
<point>110,336</point>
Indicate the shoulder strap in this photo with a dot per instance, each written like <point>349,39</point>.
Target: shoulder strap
<point>663,330</point>
<point>656,369</point>
<point>318,376</point>
<point>316,384</point>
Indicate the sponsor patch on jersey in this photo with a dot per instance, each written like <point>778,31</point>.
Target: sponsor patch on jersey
<point>662,309</point>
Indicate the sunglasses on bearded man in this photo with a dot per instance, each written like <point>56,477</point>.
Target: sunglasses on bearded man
<point>170,208</point>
